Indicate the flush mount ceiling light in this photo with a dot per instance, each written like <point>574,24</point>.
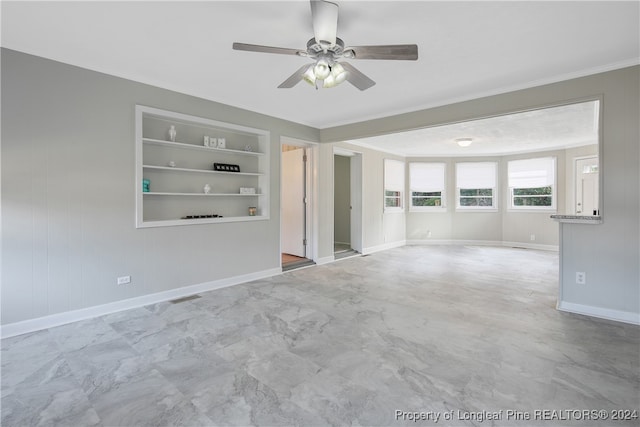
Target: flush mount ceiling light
<point>464,142</point>
<point>326,49</point>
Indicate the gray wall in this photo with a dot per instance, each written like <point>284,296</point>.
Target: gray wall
<point>68,223</point>
<point>609,253</point>
<point>342,199</point>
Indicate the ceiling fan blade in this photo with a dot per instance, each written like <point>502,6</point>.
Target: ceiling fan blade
<point>325,21</point>
<point>266,49</point>
<point>294,79</point>
<point>408,52</point>
<point>356,78</point>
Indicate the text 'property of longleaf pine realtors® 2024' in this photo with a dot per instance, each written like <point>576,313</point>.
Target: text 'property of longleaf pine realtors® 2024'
<point>513,415</point>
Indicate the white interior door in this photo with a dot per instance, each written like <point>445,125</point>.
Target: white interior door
<point>293,203</point>
<point>587,186</point>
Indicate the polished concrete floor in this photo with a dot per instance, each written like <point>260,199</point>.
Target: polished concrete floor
<point>456,334</point>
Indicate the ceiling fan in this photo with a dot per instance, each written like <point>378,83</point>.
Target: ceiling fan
<point>326,49</point>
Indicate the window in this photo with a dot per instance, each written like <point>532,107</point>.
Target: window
<point>476,185</point>
<point>393,185</point>
<point>426,183</point>
<point>532,183</point>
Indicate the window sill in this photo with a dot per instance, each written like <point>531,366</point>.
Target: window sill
<point>488,210</point>
<point>428,210</point>
<point>542,211</point>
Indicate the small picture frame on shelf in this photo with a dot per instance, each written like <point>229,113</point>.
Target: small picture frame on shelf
<point>247,190</point>
<point>222,143</point>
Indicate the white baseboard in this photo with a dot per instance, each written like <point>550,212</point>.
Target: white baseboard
<point>602,313</point>
<point>32,325</point>
<point>383,247</point>
<point>498,243</point>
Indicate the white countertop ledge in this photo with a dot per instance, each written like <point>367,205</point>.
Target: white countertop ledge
<point>577,219</point>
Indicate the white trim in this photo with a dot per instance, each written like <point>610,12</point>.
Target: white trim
<point>499,243</point>
<point>600,312</point>
<point>45,322</point>
<point>428,209</point>
<point>383,247</point>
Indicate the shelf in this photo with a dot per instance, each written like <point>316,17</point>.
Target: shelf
<point>199,147</point>
<point>199,221</point>
<point>152,193</point>
<point>173,169</point>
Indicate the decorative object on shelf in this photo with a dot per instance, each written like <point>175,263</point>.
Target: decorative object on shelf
<point>201,216</point>
<point>172,133</point>
<point>248,148</point>
<point>247,190</point>
<point>146,185</point>
<point>252,211</point>
<point>222,143</point>
<point>223,167</point>
<point>171,164</point>
<point>210,142</point>
<point>206,189</point>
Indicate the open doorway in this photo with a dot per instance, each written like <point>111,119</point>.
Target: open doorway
<point>347,203</point>
<point>296,216</point>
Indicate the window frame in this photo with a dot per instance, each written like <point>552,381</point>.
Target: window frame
<point>494,190</point>
<point>443,192</point>
<point>553,208</point>
<point>387,187</point>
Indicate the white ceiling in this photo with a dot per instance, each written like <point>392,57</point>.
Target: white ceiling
<point>552,128</point>
<point>466,49</point>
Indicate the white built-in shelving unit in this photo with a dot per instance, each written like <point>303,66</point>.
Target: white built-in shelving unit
<point>178,170</point>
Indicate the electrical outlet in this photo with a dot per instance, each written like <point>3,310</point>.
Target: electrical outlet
<point>124,280</point>
<point>581,278</point>
<point>532,237</point>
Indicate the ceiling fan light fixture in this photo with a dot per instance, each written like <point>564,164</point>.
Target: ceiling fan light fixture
<point>322,70</point>
<point>339,73</point>
<point>309,75</point>
<point>337,76</point>
<point>464,142</point>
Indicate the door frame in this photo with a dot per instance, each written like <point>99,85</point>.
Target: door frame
<point>356,181</point>
<point>311,219</point>
<point>574,182</point>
